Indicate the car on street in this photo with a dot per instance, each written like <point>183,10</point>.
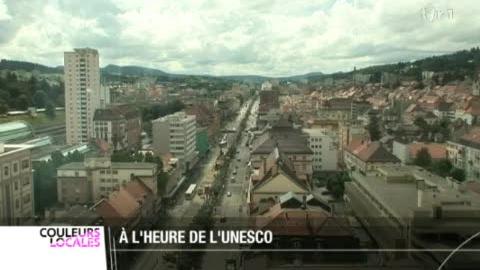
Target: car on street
<point>229,194</point>
<point>234,172</point>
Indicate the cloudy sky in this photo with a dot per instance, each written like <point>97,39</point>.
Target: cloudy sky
<point>263,37</point>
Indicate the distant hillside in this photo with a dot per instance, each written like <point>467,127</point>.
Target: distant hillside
<point>132,71</point>
<point>138,71</point>
<point>456,66</point>
<point>307,76</point>
<point>247,78</point>
<point>28,66</point>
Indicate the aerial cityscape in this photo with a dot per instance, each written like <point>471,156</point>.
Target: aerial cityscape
<point>345,153</point>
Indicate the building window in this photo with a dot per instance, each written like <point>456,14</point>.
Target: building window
<point>16,185</point>
<point>102,171</point>
<point>25,164</point>
<point>26,198</point>
<point>115,172</point>
<point>17,204</point>
<point>15,167</point>
<point>26,181</point>
<point>5,171</point>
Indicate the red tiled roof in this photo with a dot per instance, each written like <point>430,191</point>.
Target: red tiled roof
<point>436,150</point>
<point>123,204</point>
<point>137,190</point>
<point>372,152</point>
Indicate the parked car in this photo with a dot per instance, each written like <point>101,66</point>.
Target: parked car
<point>229,194</point>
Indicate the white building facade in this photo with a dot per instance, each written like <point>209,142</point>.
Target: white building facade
<point>82,93</point>
<point>176,134</point>
<point>325,147</point>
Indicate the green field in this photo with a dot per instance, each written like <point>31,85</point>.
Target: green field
<point>41,120</point>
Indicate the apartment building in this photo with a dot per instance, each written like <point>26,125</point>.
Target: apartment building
<point>325,148</point>
<point>82,93</point>
<point>464,153</point>
<point>290,143</point>
<point>341,109</point>
<point>89,181</point>
<point>176,134</point>
<point>407,207</point>
<point>16,184</point>
<point>120,126</point>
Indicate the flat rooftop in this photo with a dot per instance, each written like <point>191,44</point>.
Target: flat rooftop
<point>395,187</point>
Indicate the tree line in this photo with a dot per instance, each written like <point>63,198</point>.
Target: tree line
<point>17,93</point>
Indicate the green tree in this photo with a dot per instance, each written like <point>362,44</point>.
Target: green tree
<point>423,158</point>
<point>44,184</point>
<point>420,122</point>
<point>22,102</point>
<point>50,110</point>
<point>3,107</point>
<point>442,167</point>
<point>75,156</point>
<point>336,184</point>
<point>122,156</point>
<point>374,128</point>
<point>5,96</point>
<point>57,159</point>
<point>149,157</point>
<point>31,85</point>
<point>441,126</point>
<point>39,99</point>
<point>458,174</point>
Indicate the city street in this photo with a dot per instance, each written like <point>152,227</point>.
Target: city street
<point>186,209</point>
<point>234,206</point>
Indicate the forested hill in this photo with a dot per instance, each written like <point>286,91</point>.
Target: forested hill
<point>455,66</point>
<point>27,66</point>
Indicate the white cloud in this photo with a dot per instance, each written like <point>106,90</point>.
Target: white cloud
<point>4,12</point>
<point>239,37</point>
